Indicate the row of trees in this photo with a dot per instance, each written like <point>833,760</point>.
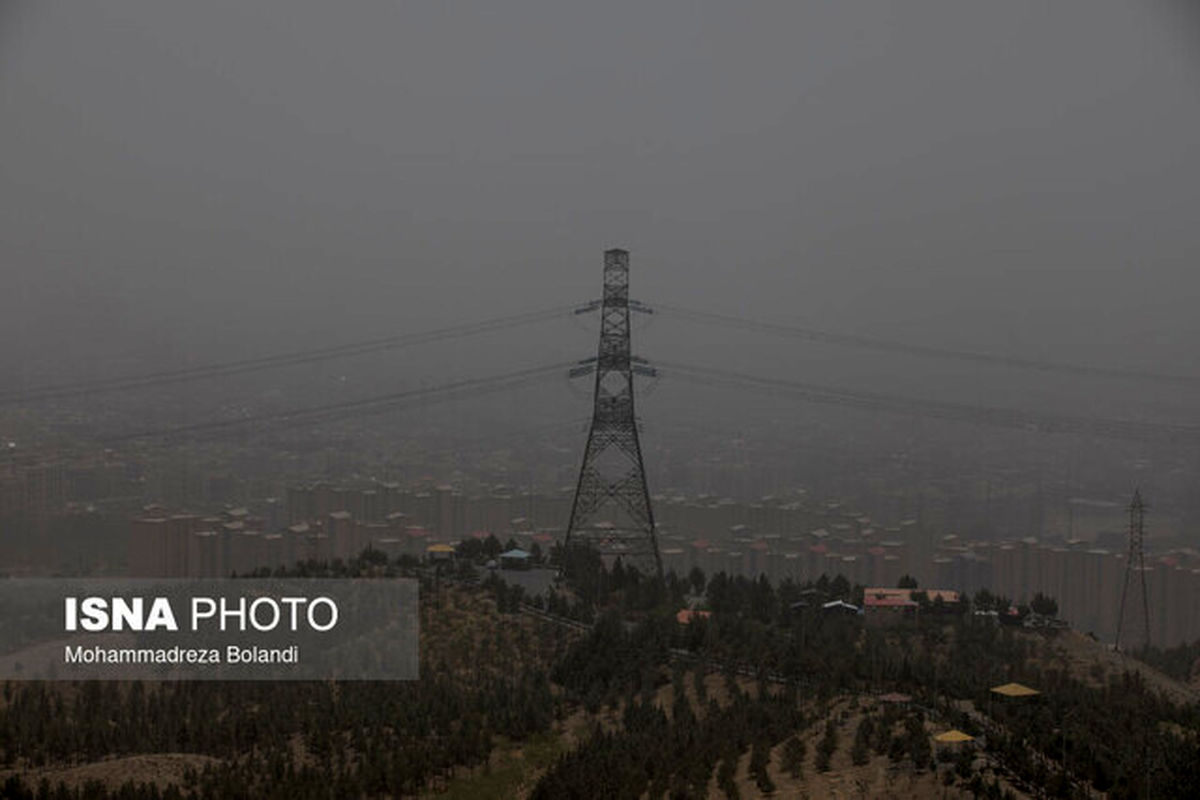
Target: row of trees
<point>286,740</point>
<point>362,740</point>
<point>1110,735</point>
<point>677,756</point>
<point>1181,662</point>
<point>376,737</point>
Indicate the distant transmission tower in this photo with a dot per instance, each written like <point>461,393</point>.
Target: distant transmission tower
<point>1135,562</point>
<point>611,511</point>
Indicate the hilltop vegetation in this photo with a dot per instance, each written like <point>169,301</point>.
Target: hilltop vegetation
<point>598,690</point>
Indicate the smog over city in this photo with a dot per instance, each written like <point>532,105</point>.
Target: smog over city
<point>768,400</point>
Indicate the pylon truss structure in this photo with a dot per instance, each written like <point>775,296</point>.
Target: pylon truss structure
<point>1135,564</point>
<point>611,511</point>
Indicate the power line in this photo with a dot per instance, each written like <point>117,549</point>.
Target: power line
<point>524,433</point>
<point>291,419</point>
<point>222,369</point>
<point>921,351</point>
<point>330,412</point>
<point>961,412</point>
<point>367,406</point>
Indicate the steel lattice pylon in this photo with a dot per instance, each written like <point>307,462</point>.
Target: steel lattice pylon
<point>1135,562</point>
<point>611,511</point>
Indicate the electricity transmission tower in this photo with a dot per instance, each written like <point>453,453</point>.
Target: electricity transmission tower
<point>611,512</point>
<point>1135,562</point>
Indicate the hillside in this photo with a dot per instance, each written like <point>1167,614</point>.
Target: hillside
<point>599,691</point>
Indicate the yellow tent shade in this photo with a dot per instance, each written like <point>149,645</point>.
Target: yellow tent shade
<point>953,737</point>
<point>440,548</point>
<point>1015,690</point>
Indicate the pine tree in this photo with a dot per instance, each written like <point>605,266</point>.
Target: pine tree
<point>792,757</point>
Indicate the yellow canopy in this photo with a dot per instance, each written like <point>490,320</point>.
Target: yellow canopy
<point>953,737</point>
<point>440,548</point>
<point>1015,690</point>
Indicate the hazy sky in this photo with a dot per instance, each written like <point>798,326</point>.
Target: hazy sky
<point>225,178</point>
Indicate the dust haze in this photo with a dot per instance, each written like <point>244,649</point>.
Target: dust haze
<point>194,184</point>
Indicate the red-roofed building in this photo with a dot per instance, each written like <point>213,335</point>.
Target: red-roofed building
<point>882,603</point>
<point>877,601</point>
<point>686,615</point>
<point>947,595</point>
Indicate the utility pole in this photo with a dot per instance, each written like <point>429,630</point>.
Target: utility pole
<point>611,511</point>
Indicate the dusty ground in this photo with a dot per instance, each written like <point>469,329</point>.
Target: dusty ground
<point>462,632</point>
<point>1086,658</point>
<point>878,779</point>
<point>160,769</point>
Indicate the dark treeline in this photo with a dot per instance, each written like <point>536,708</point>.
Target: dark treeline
<point>356,739</point>
<point>1112,733</point>
<point>675,756</point>
<point>798,658</point>
<point>364,739</point>
<point>1181,662</point>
